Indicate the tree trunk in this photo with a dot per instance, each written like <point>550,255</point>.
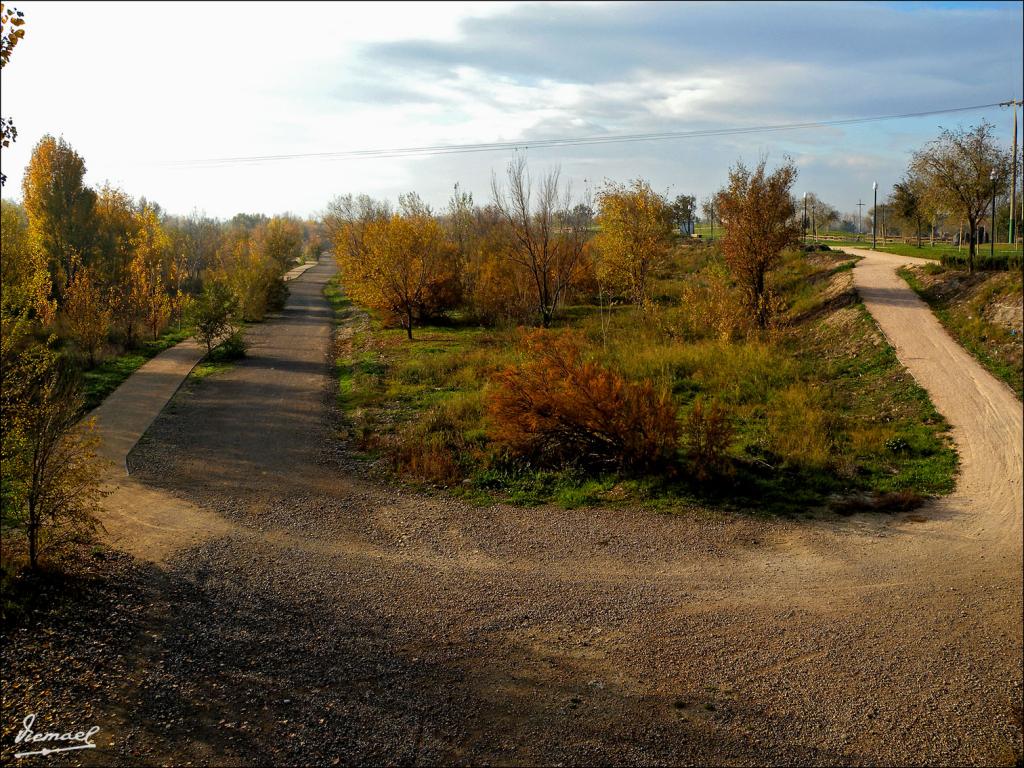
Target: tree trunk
<point>971,247</point>
<point>762,315</point>
<point>408,323</point>
<point>33,537</point>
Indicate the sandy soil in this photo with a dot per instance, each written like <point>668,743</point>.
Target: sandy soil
<point>296,614</point>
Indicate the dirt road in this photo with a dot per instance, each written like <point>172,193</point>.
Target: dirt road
<point>311,618</point>
<point>985,414</point>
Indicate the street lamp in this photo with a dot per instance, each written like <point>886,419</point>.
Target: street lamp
<point>992,234</point>
<point>874,217</point>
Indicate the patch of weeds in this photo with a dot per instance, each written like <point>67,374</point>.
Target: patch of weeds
<point>819,408</point>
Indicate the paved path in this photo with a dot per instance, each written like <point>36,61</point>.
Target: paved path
<point>144,521</point>
<point>303,615</point>
<point>127,412</point>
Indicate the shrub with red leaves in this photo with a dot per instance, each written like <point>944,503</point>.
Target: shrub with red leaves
<point>557,407</point>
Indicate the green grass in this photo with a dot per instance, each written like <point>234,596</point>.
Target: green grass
<point>822,409</point>
<point>926,251</point>
<point>217,362</point>
<point>962,314</point>
<point>100,381</point>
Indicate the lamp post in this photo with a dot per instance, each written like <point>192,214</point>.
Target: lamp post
<point>874,217</point>
<point>992,234</point>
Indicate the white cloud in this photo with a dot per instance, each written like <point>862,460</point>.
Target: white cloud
<point>127,87</point>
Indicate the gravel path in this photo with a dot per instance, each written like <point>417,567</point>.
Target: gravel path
<point>309,617</point>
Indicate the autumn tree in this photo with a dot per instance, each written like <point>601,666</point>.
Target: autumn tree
<point>346,219</point>
<point>116,230</point>
<point>252,276</point>
<point>11,33</point>
<point>87,312</point>
<point>548,233</point>
<point>147,270</point>
<point>960,171</point>
<point>636,229</point>
<point>496,289</point>
<point>819,213</point>
<point>24,277</point>
<point>59,206</point>
<point>757,212</point>
<point>195,238</point>
<point>404,266</point>
<point>49,472</point>
<point>280,240</point>
<point>459,222</point>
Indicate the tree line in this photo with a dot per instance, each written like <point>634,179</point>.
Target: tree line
<point>92,273</point>
<point>536,246</point>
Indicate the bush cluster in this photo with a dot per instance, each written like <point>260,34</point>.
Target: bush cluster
<point>557,408</point>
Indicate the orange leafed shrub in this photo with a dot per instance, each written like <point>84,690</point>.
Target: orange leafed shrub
<point>557,407</point>
<point>709,433</point>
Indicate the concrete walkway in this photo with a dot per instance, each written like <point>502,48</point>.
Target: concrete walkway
<point>128,411</point>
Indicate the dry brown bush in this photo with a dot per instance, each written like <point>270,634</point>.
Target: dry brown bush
<point>712,307</point>
<point>557,407</point>
<point>709,432</point>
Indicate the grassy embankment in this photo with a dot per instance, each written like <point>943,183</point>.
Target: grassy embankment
<point>824,414</point>
<point>981,311</point>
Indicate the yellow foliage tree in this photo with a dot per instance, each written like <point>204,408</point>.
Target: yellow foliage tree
<point>406,266</point>
<point>117,230</point>
<point>248,272</point>
<point>24,277</point>
<point>86,312</point>
<point>497,289</point>
<point>141,298</point>
<point>59,206</point>
<point>634,237</point>
<point>280,240</point>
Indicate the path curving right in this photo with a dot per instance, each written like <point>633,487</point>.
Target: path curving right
<point>985,414</point>
<point>304,615</point>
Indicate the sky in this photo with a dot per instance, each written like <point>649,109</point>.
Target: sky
<point>144,90</point>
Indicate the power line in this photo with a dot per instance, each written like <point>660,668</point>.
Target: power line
<point>497,146</point>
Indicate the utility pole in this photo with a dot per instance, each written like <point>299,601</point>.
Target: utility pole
<point>992,236</point>
<point>860,216</point>
<point>1014,103</point>
<point>874,217</point>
